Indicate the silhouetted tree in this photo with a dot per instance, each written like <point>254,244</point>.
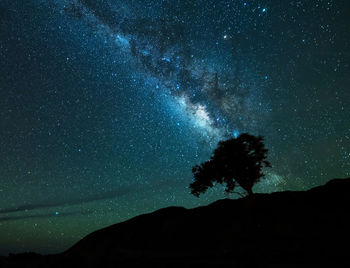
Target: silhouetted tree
<point>235,161</point>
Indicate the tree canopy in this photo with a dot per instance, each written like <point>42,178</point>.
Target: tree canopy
<point>237,161</point>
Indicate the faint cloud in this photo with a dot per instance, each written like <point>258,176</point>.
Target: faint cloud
<point>73,201</point>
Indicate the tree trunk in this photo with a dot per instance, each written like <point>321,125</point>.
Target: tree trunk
<point>249,191</point>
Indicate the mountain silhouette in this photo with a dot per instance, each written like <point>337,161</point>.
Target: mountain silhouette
<point>281,229</point>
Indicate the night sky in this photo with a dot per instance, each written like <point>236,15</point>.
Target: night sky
<point>105,106</point>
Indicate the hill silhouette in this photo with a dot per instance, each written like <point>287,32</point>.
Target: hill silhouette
<point>282,229</point>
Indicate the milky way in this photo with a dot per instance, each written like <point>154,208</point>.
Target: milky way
<point>216,99</point>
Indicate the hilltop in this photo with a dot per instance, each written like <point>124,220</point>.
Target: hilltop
<point>301,228</point>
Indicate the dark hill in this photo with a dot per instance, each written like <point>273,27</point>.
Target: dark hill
<point>282,229</point>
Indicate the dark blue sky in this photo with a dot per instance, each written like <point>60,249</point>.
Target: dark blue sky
<point>105,106</point>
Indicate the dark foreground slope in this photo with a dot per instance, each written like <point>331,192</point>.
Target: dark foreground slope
<point>284,229</point>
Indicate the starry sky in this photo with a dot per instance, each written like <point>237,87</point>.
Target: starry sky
<point>105,105</point>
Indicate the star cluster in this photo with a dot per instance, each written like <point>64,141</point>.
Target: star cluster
<point>105,106</point>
